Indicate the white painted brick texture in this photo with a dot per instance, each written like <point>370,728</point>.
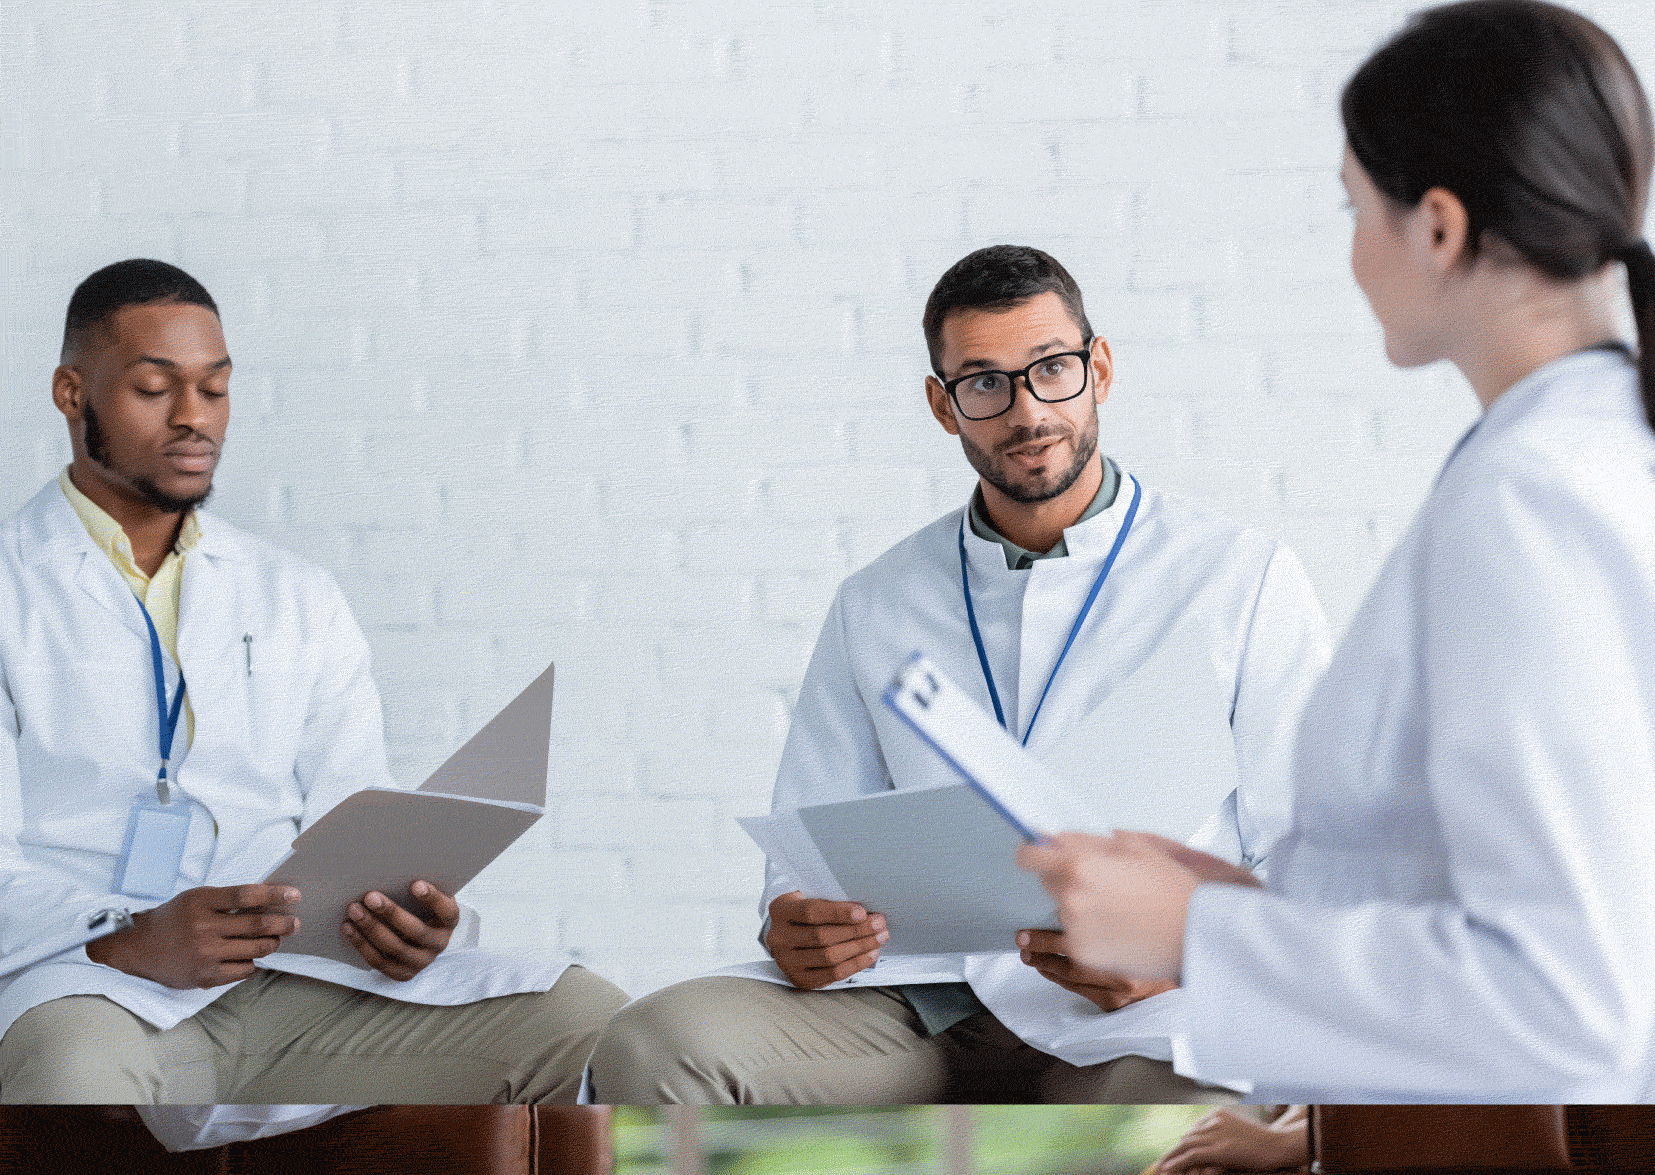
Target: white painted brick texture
<point>591,333</point>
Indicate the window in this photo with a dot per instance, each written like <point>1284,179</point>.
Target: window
<point>897,1140</point>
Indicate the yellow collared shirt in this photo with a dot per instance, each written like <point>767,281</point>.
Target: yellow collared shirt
<point>158,592</point>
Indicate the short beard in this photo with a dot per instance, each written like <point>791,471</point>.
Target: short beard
<point>1086,445</point>
<point>97,448</point>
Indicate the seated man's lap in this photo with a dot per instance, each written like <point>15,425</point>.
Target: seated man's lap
<point>287,1038</point>
<point>317,1042</point>
<point>89,1049</point>
<point>722,1040</point>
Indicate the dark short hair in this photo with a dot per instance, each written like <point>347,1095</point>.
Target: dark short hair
<point>1531,115</point>
<point>137,282</point>
<point>998,278</point>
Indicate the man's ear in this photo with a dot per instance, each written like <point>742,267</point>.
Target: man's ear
<point>68,391</point>
<point>1443,226</point>
<point>1103,369</point>
<point>942,406</point>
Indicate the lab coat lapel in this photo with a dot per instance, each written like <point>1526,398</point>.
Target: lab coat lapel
<point>96,577</point>
<point>998,596</point>
<point>52,533</point>
<point>210,652</point>
<point>1057,588</point>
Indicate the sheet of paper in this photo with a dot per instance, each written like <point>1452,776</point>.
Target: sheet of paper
<point>782,837</point>
<point>506,760</point>
<point>939,863</point>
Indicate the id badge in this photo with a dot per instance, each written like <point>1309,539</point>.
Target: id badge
<point>155,835</point>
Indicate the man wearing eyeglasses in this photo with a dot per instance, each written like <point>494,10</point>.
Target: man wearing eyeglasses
<point>1136,642</point>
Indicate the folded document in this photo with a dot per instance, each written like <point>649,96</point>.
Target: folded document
<point>471,809</point>
<point>938,862</point>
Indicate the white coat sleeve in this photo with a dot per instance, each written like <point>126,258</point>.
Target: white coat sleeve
<point>1286,650</point>
<point>343,749</point>
<point>38,907</point>
<point>832,752</point>
<point>1536,757</point>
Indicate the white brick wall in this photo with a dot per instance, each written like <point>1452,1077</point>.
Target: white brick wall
<point>591,332</point>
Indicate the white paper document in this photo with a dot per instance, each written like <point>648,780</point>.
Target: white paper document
<point>784,839</point>
<point>491,791</point>
<point>940,862</point>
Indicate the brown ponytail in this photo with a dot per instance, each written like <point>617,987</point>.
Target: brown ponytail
<point>1640,283</point>
<point>1533,117</point>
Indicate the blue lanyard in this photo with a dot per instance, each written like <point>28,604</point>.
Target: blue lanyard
<point>1074,630</point>
<point>167,715</point>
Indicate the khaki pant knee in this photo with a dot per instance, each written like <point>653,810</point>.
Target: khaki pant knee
<point>84,1049</point>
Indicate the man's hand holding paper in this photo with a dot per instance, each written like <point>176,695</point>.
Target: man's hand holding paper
<point>817,942</point>
<point>204,937</point>
<point>395,942</point>
<point>381,867</point>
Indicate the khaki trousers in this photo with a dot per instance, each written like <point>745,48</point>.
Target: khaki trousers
<point>744,1041</point>
<point>278,1038</point>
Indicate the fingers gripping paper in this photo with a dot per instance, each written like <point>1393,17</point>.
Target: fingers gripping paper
<point>487,794</point>
<point>942,869</point>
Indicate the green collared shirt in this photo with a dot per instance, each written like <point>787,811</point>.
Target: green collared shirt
<point>1017,559</point>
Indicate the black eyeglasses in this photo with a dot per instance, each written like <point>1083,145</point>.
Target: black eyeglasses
<point>1051,379</point>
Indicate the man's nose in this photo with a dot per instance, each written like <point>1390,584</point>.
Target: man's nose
<point>1024,406</point>
<point>191,410</point>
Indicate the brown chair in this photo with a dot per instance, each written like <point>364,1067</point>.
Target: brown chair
<point>382,1140</point>
<point>1455,1140</point>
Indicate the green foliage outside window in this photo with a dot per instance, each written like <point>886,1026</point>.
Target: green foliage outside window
<point>907,1140</point>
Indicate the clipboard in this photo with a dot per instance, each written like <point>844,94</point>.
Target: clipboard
<point>1019,787</point>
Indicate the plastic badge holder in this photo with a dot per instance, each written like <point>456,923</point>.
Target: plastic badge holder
<point>154,848</point>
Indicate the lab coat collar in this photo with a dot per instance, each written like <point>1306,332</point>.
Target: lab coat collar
<point>1088,539</point>
<point>219,540</point>
<point>48,528</point>
<point>49,531</point>
<point>1522,396</point>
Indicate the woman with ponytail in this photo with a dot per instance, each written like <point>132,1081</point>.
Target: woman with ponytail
<point>1464,909</point>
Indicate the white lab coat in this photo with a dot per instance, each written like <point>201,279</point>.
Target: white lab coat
<point>1464,909</point>
<point>275,747</point>
<point>1238,600</point>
